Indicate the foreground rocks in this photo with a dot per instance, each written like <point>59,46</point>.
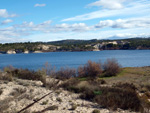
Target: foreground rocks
<point>19,93</point>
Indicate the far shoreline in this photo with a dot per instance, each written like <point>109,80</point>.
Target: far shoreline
<point>1,53</point>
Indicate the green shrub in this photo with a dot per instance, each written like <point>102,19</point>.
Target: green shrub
<point>95,111</point>
<point>90,69</point>
<point>59,99</point>
<point>44,102</point>
<point>53,107</point>
<point>111,68</point>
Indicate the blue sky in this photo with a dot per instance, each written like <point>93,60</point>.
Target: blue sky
<point>51,20</point>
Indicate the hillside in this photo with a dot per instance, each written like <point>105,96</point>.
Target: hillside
<point>76,45</point>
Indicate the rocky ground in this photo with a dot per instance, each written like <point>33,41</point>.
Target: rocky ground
<point>17,94</point>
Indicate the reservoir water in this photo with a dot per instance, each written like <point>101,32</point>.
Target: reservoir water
<point>127,58</point>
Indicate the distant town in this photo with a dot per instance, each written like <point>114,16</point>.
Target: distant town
<point>75,45</point>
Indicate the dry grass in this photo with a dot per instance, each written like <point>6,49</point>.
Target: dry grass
<point>140,76</point>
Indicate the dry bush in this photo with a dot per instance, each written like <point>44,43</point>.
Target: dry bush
<point>90,69</point>
<point>5,104</point>
<point>1,91</point>
<point>118,98</point>
<point>114,98</point>
<point>8,68</point>
<point>77,86</point>
<point>147,86</point>
<point>6,76</point>
<point>111,68</point>
<point>18,91</point>
<point>69,84</point>
<point>73,107</point>
<point>120,95</point>
<point>50,70</point>
<point>30,75</point>
<point>97,82</point>
<point>65,73</point>
<point>53,107</point>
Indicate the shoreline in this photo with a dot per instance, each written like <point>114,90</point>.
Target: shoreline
<point>72,51</point>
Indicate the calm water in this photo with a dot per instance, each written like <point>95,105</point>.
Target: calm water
<point>127,58</point>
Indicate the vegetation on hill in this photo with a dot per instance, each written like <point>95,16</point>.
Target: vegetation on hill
<point>30,46</point>
<point>78,45</point>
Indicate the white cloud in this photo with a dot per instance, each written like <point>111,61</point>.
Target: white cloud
<point>6,39</point>
<point>133,9</point>
<point>108,34</point>
<point>4,14</point>
<point>108,4</point>
<point>46,31</point>
<point>129,35</point>
<point>76,27</point>
<point>47,27</point>
<point>6,21</point>
<point>39,5</point>
<point>125,23</point>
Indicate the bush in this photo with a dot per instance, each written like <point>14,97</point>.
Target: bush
<point>97,82</point>
<point>74,106</point>
<point>59,99</point>
<point>1,91</point>
<point>91,69</point>
<point>5,104</point>
<point>114,97</point>
<point>18,91</point>
<point>53,107</point>
<point>30,75</point>
<point>50,70</point>
<point>6,76</point>
<point>111,67</point>
<point>8,69</point>
<point>65,73</point>
<point>96,111</point>
<point>129,86</point>
<point>69,84</point>
<point>118,98</point>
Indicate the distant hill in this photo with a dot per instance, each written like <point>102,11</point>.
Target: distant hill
<point>77,45</point>
<point>71,42</point>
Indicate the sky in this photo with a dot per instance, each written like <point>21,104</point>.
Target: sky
<point>52,20</point>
